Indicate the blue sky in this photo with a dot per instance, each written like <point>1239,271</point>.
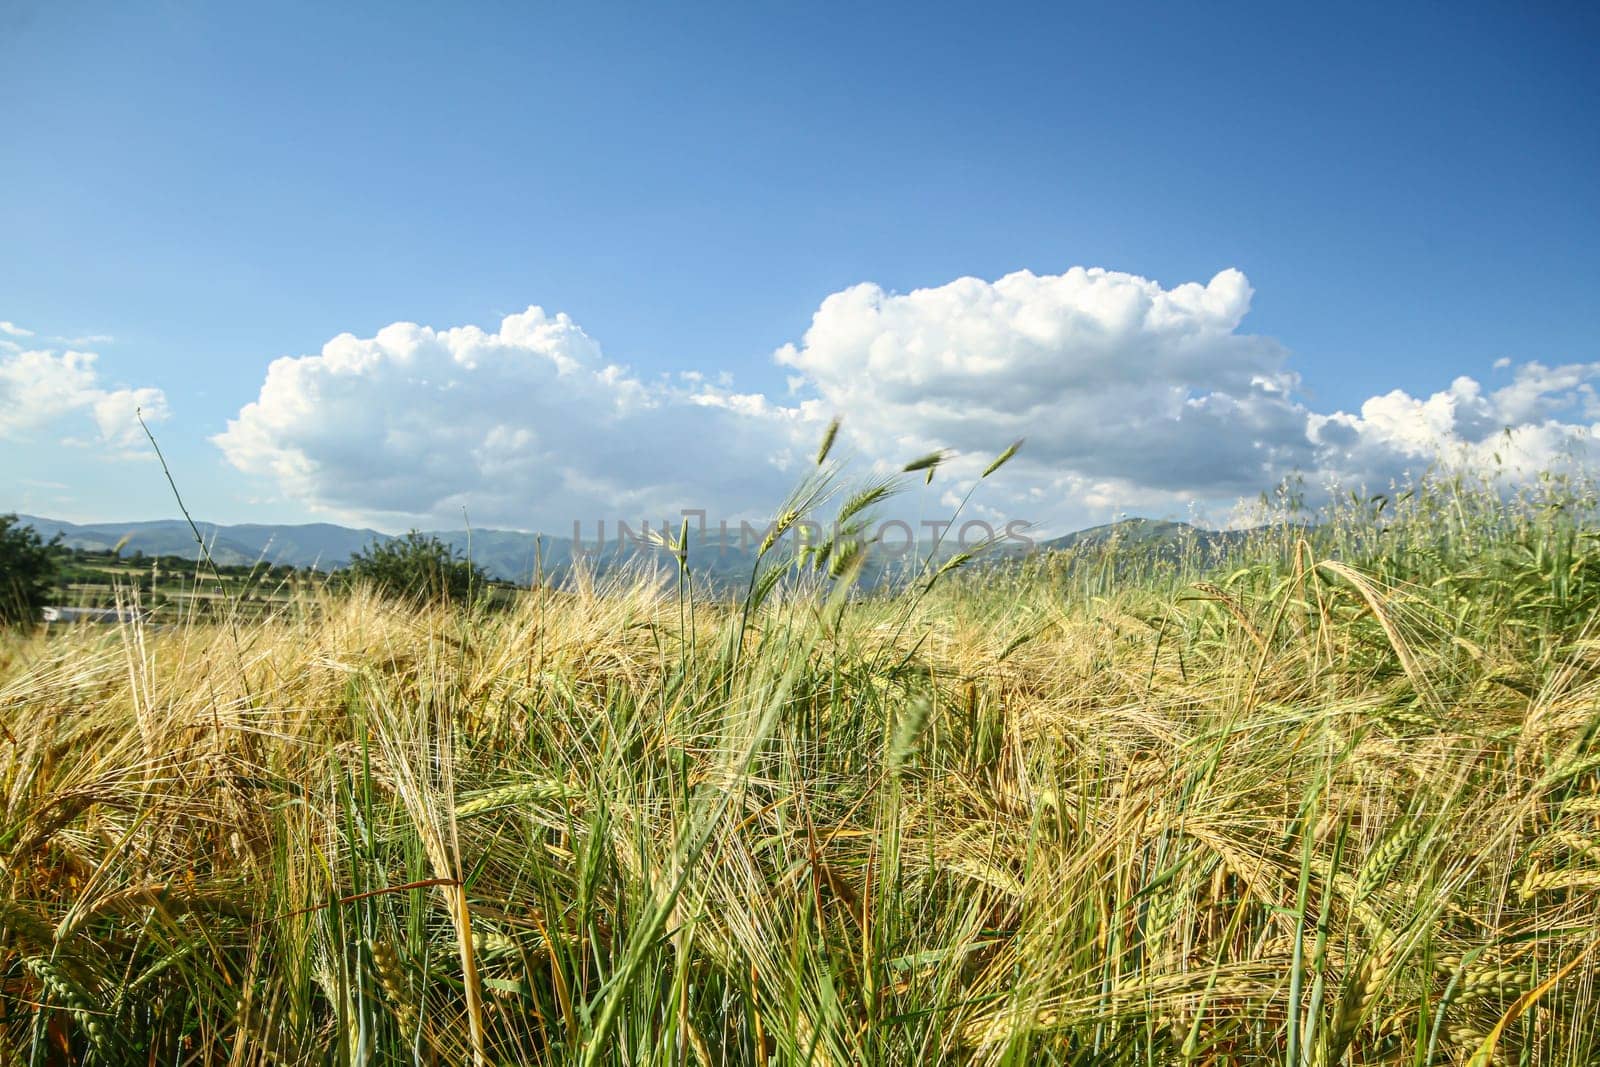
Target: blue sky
<point>1411,196</point>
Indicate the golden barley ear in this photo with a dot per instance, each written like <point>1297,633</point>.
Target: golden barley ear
<point>395,981</point>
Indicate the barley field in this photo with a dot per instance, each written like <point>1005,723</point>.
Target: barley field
<point>1333,800</point>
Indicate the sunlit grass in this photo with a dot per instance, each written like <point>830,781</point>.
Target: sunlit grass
<point>1333,800</point>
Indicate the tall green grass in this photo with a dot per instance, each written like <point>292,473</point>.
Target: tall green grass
<point>1334,798</point>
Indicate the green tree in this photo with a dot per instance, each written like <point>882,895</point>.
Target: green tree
<point>27,571</point>
<point>417,566</point>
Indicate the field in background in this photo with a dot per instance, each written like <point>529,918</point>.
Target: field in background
<point>1333,800</point>
<point>174,587</point>
<point>175,591</point>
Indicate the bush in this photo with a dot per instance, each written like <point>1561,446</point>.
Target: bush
<point>27,571</point>
<point>417,566</point>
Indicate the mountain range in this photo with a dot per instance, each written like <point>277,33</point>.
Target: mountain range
<point>517,556</point>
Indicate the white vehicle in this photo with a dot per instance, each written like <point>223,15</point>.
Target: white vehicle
<point>60,614</point>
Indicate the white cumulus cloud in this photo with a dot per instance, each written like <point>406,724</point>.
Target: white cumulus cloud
<point>527,425</point>
<point>1108,375</point>
<point>1544,420</point>
<point>42,390</point>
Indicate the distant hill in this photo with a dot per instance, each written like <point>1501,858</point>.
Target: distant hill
<point>514,555</point>
<point>1163,535</point>
<point>313,544</point>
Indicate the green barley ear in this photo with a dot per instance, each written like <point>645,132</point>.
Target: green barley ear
<point>908,727</point>
<point>678,546</point>
<point>846,559</point>
<point>70,995</point>
<point>1381,862</point>
<point>960,559</point>
<point>873,494</point>
<point>765,585</point>
<point>1003,458</point>
<point>820,554</point>
<point>827,441</point>
<point>779,528</point>
<point>929,463</point>
<point>514,795</point>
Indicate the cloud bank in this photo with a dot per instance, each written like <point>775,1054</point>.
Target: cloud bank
<point>1131,395</point>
